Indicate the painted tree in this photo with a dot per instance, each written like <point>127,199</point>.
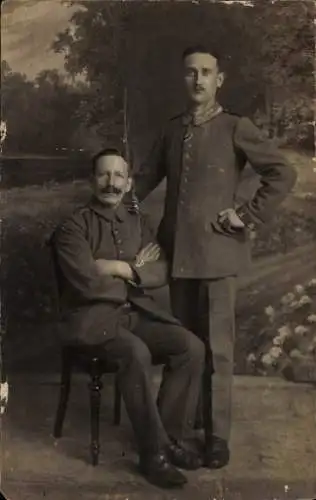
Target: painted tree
<point>93,48</point>
<point>40,114</point>
<point>285,32</point>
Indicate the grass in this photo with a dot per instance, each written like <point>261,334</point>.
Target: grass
<point>29,215</point>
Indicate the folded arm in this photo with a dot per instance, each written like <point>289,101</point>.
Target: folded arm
<point>118,268</point>
<point>76,262</point>
<point>145,271</point>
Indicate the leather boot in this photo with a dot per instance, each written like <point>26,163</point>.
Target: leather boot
<point>159,471</point>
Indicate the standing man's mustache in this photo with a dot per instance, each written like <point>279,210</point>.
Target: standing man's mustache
<point>198,88</point>
<point>111,190</point>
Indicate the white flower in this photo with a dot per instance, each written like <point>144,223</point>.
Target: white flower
<point>305,299</point>
<point>251,358</point>
<point>295,354</point>
<point>299,289</point>
<point>311,318</point>
<point>287,299</point>
<point>312,347</point>
<point>294,304</point>
<point>275,352</point>
<point>278,341</point>
<point>312,282</point>
<point>267,360</point>
<point>284,332</point>
<point>301,330</point>
<point>269,311</point>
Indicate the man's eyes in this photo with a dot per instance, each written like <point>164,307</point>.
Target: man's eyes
<point>193,72</point>
<point>116,174</point>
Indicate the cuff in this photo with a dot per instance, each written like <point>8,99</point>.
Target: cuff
<point>136,281</point>
<point>246,218</point>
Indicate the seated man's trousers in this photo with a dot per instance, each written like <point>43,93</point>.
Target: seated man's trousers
<point>139,340</point>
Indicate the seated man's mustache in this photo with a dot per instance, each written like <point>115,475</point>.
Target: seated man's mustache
<point>111,190</point>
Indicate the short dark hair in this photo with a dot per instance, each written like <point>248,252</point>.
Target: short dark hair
<point>201,48</point>
<point>105,152</point>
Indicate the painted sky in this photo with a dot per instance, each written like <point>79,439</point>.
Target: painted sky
<point>28,30</point>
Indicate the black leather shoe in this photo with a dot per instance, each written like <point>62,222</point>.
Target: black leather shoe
<point>218,455</point>
<point>182,457</point>
<point>159,471</point>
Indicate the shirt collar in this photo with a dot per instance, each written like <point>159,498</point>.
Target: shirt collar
<point>108,213</point>
<point>202,115</point>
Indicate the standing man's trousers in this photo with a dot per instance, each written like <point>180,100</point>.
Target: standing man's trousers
<point>207,307</point>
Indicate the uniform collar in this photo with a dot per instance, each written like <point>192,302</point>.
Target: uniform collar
<point>108,213</point>
<point>202,115</point>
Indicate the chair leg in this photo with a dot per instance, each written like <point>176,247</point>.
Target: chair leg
<point>117,402</point>
<point>95,387</point>
<point>64,393</point>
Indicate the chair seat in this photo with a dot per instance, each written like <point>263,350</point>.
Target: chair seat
<point>86,358</point>
<point>83,356</point>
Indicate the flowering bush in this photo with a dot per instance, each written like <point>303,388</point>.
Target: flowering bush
<point>288,337</point>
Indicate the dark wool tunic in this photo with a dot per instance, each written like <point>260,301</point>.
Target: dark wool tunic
<point>92,305</point>
<point>203,167</point>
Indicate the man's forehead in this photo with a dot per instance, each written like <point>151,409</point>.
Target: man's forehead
<point>112,162</point>
<point>200,60</point>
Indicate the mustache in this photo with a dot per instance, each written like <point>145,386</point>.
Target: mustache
<point>110,190</point>
<point>198,88</point>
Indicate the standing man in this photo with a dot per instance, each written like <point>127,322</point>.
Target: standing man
<point>202,154</point>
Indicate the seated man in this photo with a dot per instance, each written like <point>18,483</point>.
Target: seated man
<point>107,257</point>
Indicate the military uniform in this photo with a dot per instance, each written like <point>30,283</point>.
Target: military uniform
<point>202,160</point>
<point>123,322</point>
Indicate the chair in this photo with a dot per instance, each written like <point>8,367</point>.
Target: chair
<point>86,359</point>
<point>80,357</point>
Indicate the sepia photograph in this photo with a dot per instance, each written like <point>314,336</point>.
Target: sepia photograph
<point>158,250</point>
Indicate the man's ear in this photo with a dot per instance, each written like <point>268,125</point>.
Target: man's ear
<point>129,184</point>
<point>220,79</point>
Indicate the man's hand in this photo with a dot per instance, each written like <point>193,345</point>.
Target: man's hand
<point>230,221</point>
<point>116,268</point>
<point>150,253</point>
<point>107,267</point>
